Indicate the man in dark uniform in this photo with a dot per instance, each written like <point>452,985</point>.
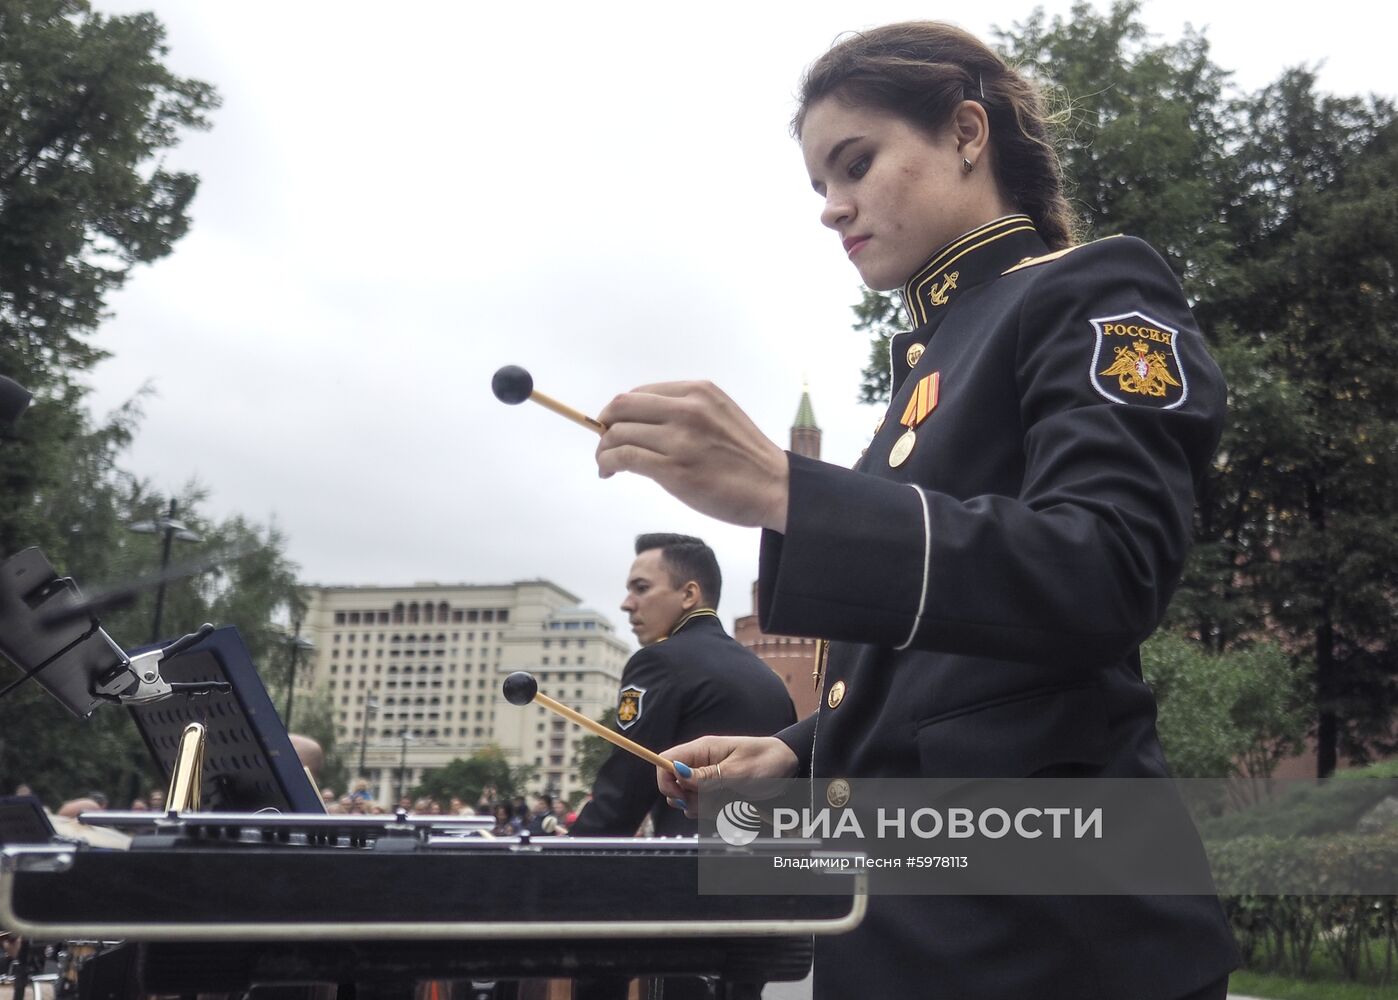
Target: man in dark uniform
<point>688,678</point>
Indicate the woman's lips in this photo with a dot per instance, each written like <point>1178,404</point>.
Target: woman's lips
<point>854,244</point>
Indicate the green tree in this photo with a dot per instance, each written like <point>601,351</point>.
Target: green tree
<point>879,315</point>
<point>593,750</point>
<point>86,109</point>
<point>467,777</point>
<point>1143,144</point>
<point>1301,507</point>
<point>1233,714</point>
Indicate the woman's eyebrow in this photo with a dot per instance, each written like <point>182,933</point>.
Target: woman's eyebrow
<point>839,148</point>
<point>832,156</point>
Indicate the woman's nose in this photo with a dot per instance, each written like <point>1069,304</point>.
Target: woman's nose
<point>837,211</point>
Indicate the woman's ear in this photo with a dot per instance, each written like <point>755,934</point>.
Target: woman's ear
<point>971,127</point>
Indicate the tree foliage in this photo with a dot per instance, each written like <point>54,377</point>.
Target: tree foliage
<point>593,750</point>
<point>1301,502</point>
<point>467,777</point>
<point>86,110</point>
<point>1232,714</point>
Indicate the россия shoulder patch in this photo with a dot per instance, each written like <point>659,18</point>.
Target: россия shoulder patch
<point>1134,360</point>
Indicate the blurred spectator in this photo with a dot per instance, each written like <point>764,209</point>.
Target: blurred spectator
<point>73,807</point>
<point>156,798</point>
<point>310,753</point>
<point>573,816</point>
<point>541,819</point>
<point>506,823</point>
<point>361,789</point>
<point>139,805</point>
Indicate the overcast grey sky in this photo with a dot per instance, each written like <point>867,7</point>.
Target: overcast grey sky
<point>397,200</point>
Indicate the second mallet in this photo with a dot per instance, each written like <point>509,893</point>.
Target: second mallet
<point>521,688</point>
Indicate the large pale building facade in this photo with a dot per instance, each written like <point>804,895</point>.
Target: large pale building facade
<point>413,675</point>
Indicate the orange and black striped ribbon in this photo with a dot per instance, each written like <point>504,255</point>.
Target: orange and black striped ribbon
<point>923,401</point>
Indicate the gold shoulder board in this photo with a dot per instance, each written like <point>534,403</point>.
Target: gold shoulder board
<point>1032,261</point>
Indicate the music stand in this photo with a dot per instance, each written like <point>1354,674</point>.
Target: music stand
<point>23,821</point>
<point>249,762</point>
<point>73,659</point>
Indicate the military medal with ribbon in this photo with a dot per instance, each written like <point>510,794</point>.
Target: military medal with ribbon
<point>922,403</point>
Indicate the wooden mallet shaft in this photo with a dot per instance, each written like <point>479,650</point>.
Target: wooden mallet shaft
<point>521,688</point>
<point>563,410</point>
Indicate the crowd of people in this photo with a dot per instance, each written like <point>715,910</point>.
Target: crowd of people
<point>543,815</point>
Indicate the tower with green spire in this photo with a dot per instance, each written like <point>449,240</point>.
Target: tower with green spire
<point>791,658</point>
<point>805,435</point>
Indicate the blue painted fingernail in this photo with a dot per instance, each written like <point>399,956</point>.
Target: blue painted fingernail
<point>683,770</point>
<point>680,804</point>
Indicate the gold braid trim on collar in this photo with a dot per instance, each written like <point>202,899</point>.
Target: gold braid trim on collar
<point>689,617</point>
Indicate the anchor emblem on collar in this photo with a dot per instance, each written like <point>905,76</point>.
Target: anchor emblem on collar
<point>937,295</point>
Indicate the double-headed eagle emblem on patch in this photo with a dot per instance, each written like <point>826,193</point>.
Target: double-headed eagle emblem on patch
<point>628,706</point>
<point>1135,361</point>
<point>1144,372</point>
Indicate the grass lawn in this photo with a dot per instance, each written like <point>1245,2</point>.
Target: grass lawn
<point>1269,987</point>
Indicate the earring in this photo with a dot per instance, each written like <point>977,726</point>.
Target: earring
<point>966,165</point>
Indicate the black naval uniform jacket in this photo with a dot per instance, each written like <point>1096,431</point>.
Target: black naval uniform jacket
<point>988,596</point>
<point>695,682</point>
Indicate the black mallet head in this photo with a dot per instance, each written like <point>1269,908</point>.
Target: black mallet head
<point>520,688</point>
<point>512,384</point>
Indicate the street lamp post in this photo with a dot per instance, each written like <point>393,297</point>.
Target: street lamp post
<point>406,737</point>
<point>371,705</point>
<point>171,529</point>
<point>298,645</point>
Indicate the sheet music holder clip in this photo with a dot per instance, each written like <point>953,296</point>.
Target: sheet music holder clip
<point>117,684</point>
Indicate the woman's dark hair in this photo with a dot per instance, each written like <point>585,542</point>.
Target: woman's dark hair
<point>922,71</point>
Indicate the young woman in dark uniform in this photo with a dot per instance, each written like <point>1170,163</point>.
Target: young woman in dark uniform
<point>1014,531</point>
